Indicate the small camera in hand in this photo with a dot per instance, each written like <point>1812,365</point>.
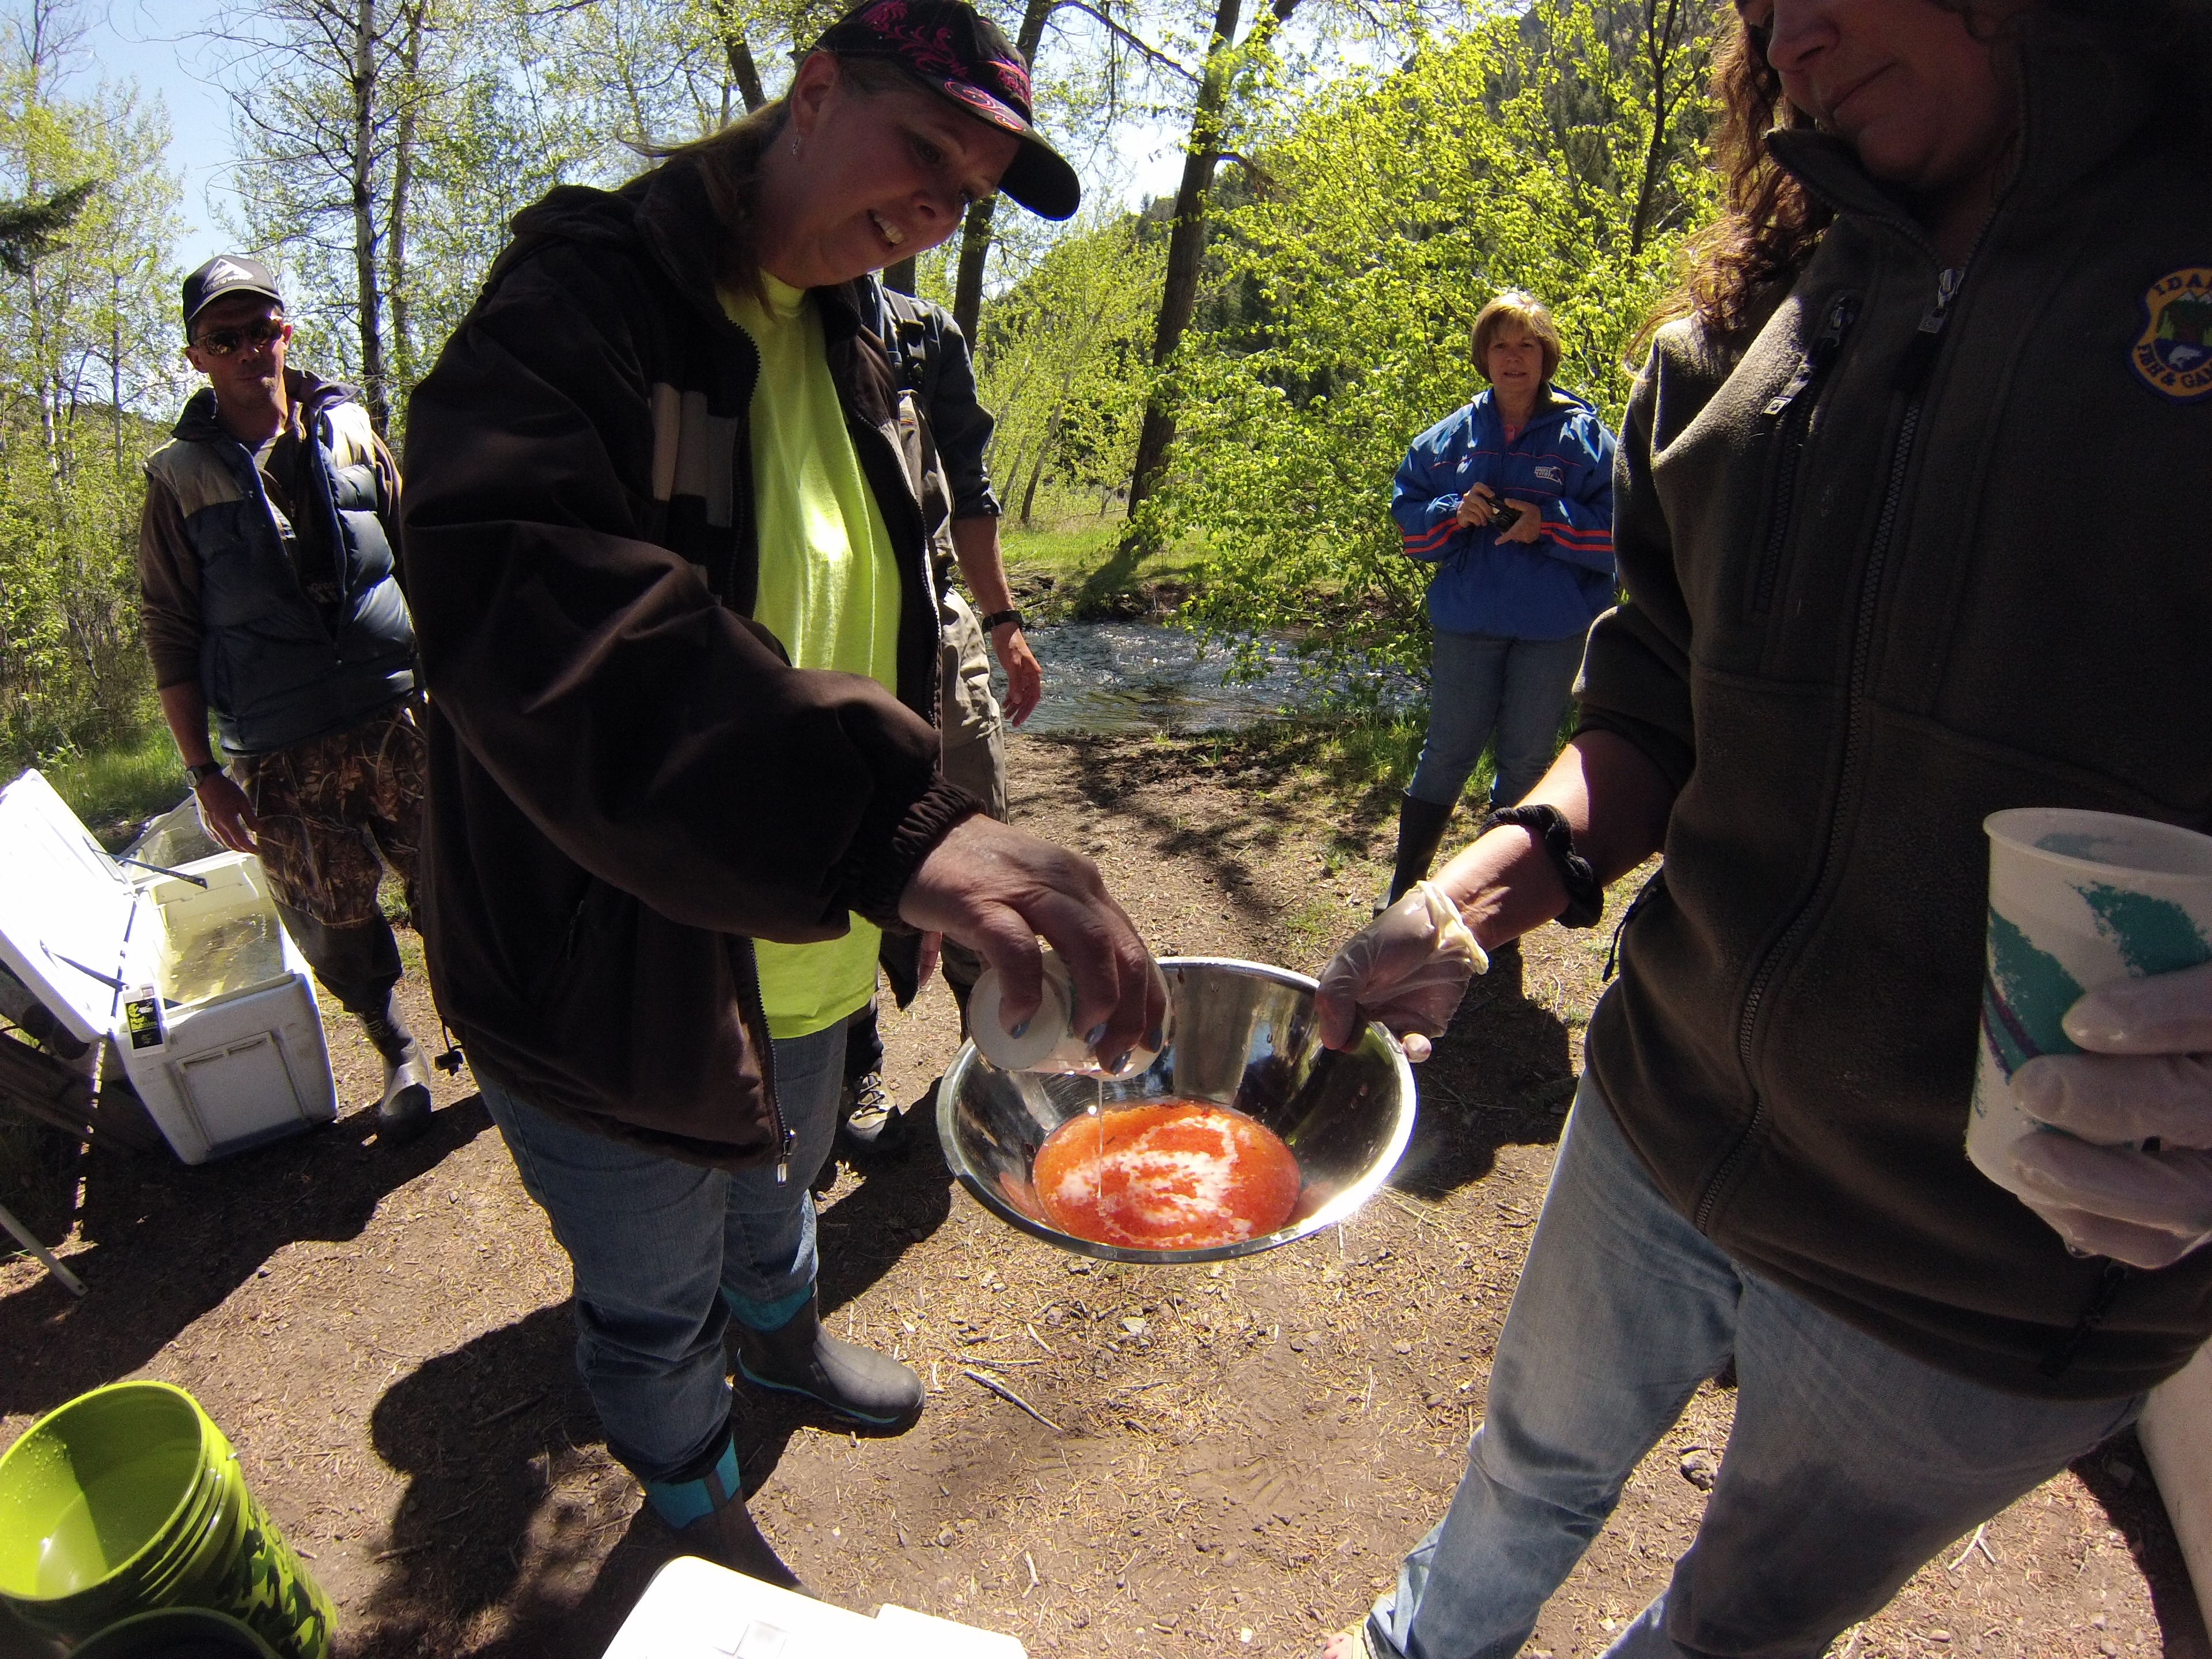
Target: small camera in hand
<point>1505,515</point>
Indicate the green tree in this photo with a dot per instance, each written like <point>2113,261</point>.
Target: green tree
<point>383,145</point>
<point>87,353</point>
<point>1063,360</point>
<point>1514,156</point>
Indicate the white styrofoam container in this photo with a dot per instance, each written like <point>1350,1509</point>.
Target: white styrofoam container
<point>218,1074</point>
<point>694,1609</point>
<point>2176,1432</point>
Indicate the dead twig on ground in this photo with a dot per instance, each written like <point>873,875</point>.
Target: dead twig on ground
<point>1010,1397</point>
<point>1426,1221</point>
<point>506,1412</point>
<point>1980,1541</point>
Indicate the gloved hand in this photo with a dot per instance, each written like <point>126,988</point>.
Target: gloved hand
<point>1408,967</point>
<point>2146,1078</point>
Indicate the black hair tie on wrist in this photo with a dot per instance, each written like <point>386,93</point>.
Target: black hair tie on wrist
<point>1585,893</point>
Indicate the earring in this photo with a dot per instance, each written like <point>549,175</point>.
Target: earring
<point>794,144</point>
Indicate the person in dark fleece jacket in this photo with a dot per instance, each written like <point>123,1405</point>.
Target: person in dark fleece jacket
<point>1877,589</point>
<point>665,538</point>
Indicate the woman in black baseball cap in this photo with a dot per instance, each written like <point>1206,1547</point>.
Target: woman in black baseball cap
<point>872,161</point>
<point>667,544</point>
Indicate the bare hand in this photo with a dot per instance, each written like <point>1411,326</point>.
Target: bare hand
<point>932,949</point>
<point>1475,507</point>
<point>994,889</point>
<point>2131,1176</point>
<point>1025,676</point>
<point>1528,527</point>
<point>227,813</point>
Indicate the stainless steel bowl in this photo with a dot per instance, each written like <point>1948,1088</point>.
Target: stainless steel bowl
<point>1244,1035</point>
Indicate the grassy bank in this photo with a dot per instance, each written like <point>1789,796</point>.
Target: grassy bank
<point>1077,565</point>
<point>112,789</point>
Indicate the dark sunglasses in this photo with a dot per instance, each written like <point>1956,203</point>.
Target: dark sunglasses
<point>221,342</point>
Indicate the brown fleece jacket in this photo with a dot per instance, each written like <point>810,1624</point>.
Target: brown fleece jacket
<point>1885,578</point>
<point>629,782</point>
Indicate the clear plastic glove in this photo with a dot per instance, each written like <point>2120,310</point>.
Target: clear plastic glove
<point>2132,1178</point>
<point>1408,967</point>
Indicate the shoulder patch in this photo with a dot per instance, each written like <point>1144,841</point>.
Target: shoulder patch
<point>2173,352</point>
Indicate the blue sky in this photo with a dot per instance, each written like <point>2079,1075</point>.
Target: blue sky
<point>153,42</point>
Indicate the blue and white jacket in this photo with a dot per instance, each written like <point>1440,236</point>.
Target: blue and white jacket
<point>1547,589</point>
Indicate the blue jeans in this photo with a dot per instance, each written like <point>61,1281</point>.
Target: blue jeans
<point>1849,1464</point>
<point>665,1252</point>
<point>1479,683</point>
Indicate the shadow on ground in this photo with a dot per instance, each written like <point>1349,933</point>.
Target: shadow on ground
<point>1503,1075</point>
<point>511,1491</point>
<point>169,1242</point>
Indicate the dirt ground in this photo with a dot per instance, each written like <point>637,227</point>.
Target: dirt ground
<point>1237,1455</point>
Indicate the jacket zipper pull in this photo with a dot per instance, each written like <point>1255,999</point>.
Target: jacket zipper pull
<point>783,1164</point>
<point>1920,356</point>
<point>1818,355</point>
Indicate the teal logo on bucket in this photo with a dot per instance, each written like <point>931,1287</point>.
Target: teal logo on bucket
<point>2027,991</point>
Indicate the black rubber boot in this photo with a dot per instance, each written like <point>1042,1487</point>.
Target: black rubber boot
<point>404,1111</point>
<point>1420,832</point>
<point>729,1538</point>
<point>856,1382</point>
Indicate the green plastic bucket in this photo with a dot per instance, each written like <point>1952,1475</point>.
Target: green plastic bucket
<point>129,1499</point>
<point>176,1633</point>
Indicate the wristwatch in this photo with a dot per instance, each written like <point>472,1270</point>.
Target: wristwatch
<point>998,616</point>
<point>200,774</point>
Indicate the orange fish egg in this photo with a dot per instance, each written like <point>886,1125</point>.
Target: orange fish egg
<point>1177,1175</point>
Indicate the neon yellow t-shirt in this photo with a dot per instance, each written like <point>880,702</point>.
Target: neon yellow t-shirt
<point>828,591</point>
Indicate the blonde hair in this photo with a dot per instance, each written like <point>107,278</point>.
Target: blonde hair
<point>1518,309</point>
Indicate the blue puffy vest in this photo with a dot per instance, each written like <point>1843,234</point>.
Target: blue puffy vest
<point>274,672</point>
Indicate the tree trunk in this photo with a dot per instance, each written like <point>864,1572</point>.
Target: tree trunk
<point>1036,468</point>
<point>744,74</point>
<point>974,254</point>
<point>899,278</point>
<point>364,213</point>
<point>115,366</point>
<point>975,229</point>
<point>1021,453</point>
<point>1187,241</point>
<point>403,184</point>
<point>1658,40</point>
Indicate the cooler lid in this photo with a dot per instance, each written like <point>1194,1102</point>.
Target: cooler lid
<point>64,909</point>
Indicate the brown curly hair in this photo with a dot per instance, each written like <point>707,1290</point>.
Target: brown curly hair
<point>1769,224</point>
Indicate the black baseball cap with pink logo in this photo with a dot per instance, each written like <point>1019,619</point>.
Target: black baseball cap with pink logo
<point>952,49</point>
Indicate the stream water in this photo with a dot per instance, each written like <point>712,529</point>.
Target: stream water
<point>1121,677</point>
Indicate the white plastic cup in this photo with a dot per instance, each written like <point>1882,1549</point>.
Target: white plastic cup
<point>2077,900</point>
<point>1048,1042</point>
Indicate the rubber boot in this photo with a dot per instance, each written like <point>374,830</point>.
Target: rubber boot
<point>1420,832</point>
<point>729,1538</point>
<point>404,1111</point>
<point>708,1515</point>
<point>856,1383</point>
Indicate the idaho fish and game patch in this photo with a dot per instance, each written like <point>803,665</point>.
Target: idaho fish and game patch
<point>2173,352</point>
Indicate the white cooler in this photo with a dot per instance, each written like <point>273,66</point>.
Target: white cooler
<point>208,1001</point>
<point>694,1609</point>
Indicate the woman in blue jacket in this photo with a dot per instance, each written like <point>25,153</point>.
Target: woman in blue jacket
<point>1511,500</point>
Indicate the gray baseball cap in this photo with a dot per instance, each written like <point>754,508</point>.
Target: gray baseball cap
<point>224,275</point>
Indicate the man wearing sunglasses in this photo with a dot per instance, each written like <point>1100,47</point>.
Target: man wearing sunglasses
<point>268,594</point>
